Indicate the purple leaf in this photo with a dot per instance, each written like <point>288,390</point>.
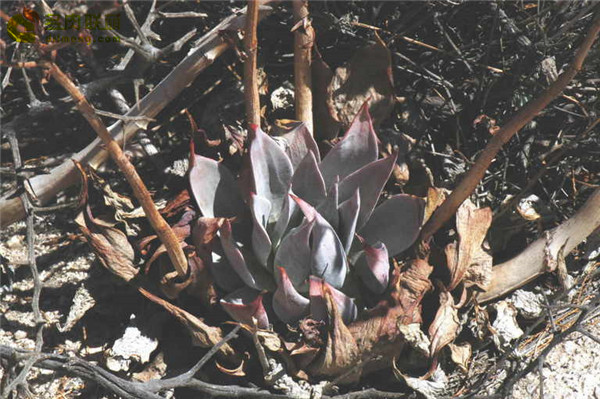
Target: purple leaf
<point>223,274</point>
<point>329,207</point>
<point>294,255</point>
<point>318,306</point>
<point>371,179</point>
<point>288,304</point>
<point>307,182</point>
<point>328,259</point>
<point>357,148</point>
<point>348,211</point>
<point>214,188</point>
<point>245,304</point>
<point>373,266</point>
<point>283,224</point>
<point>252,275</point>
<point>299,142</point>
<point>261,243</point>
<point>271,169</point>
<point>396,223</point>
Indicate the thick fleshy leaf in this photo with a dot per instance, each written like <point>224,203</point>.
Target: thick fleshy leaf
<point>318,304</point>
<point>261,243</point>
<point>294,255</point>
<point>236,259</point>
<point>288,304</point>
<point>396,223</point>
<point>245,304</point>
<point>328,259</point>
<point>271,169</point>
<point>373,267</point>
<point>289,213</point>
<point>222,271</point>
<point>307,182</point>
<point>329,207</point>
<point>371,179</point>
<point>214,188</point>
<point>355,150</point>
<point>298,143</point>
<point>348,211</point>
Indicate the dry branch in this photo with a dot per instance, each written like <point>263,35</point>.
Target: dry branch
<point>304,35</point>
<point>206,50</point>
<point>250,76</point>
<point>158,223</point>
<point>477,171</point>
<point>533,262</point>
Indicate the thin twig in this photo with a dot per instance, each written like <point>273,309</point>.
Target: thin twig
<point>163,230</point>
<point>304,36</point>
<point>21,378</point>
<point>206,50</point>
<point>250,76</point>
<point>477,171</point>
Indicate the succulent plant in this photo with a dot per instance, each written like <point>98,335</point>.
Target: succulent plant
<point>293,224</point>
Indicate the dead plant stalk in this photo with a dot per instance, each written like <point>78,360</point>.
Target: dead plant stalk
<point>163,230</point>
<point>250,75</point>
<point>523,117</point>
<point>304,35</point>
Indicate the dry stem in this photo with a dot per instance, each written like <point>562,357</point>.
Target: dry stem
<point>532,262</point>
<point>477,171</point>
<point>162,228</point>
<point>250,75</point>
<point>304,35</point>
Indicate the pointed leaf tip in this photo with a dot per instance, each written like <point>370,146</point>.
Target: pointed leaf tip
<point>244,304</point>
<point>288,304</point>
<point>318,304</point>
<point>373,266</point>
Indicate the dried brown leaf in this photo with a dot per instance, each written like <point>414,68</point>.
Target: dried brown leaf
<point>340,351</point>
<point>326,127</point>
<point>445,326</point>
<point>239,371</point>
<point>367,77</point>
<point>435,197</point>
<point>109,244</point>
<point>470,263</point>
<point>461,355</point>
<point>202,334</point>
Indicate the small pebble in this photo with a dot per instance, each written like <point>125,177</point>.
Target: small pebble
<point>20,334</point>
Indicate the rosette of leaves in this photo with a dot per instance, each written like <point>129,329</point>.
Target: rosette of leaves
<point>295,229</point>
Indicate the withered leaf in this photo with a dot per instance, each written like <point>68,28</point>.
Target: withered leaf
<point>470,263</point>
<point>461,355</point>
<point>367,77</point>
<point>435,197</point>
<point>202,334</point>
<point>340,351</point>
<point>446,324</point>
<point>197,283</point>
<point>409,288</point>
<point>109,244</point>
<point>239,371</point>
